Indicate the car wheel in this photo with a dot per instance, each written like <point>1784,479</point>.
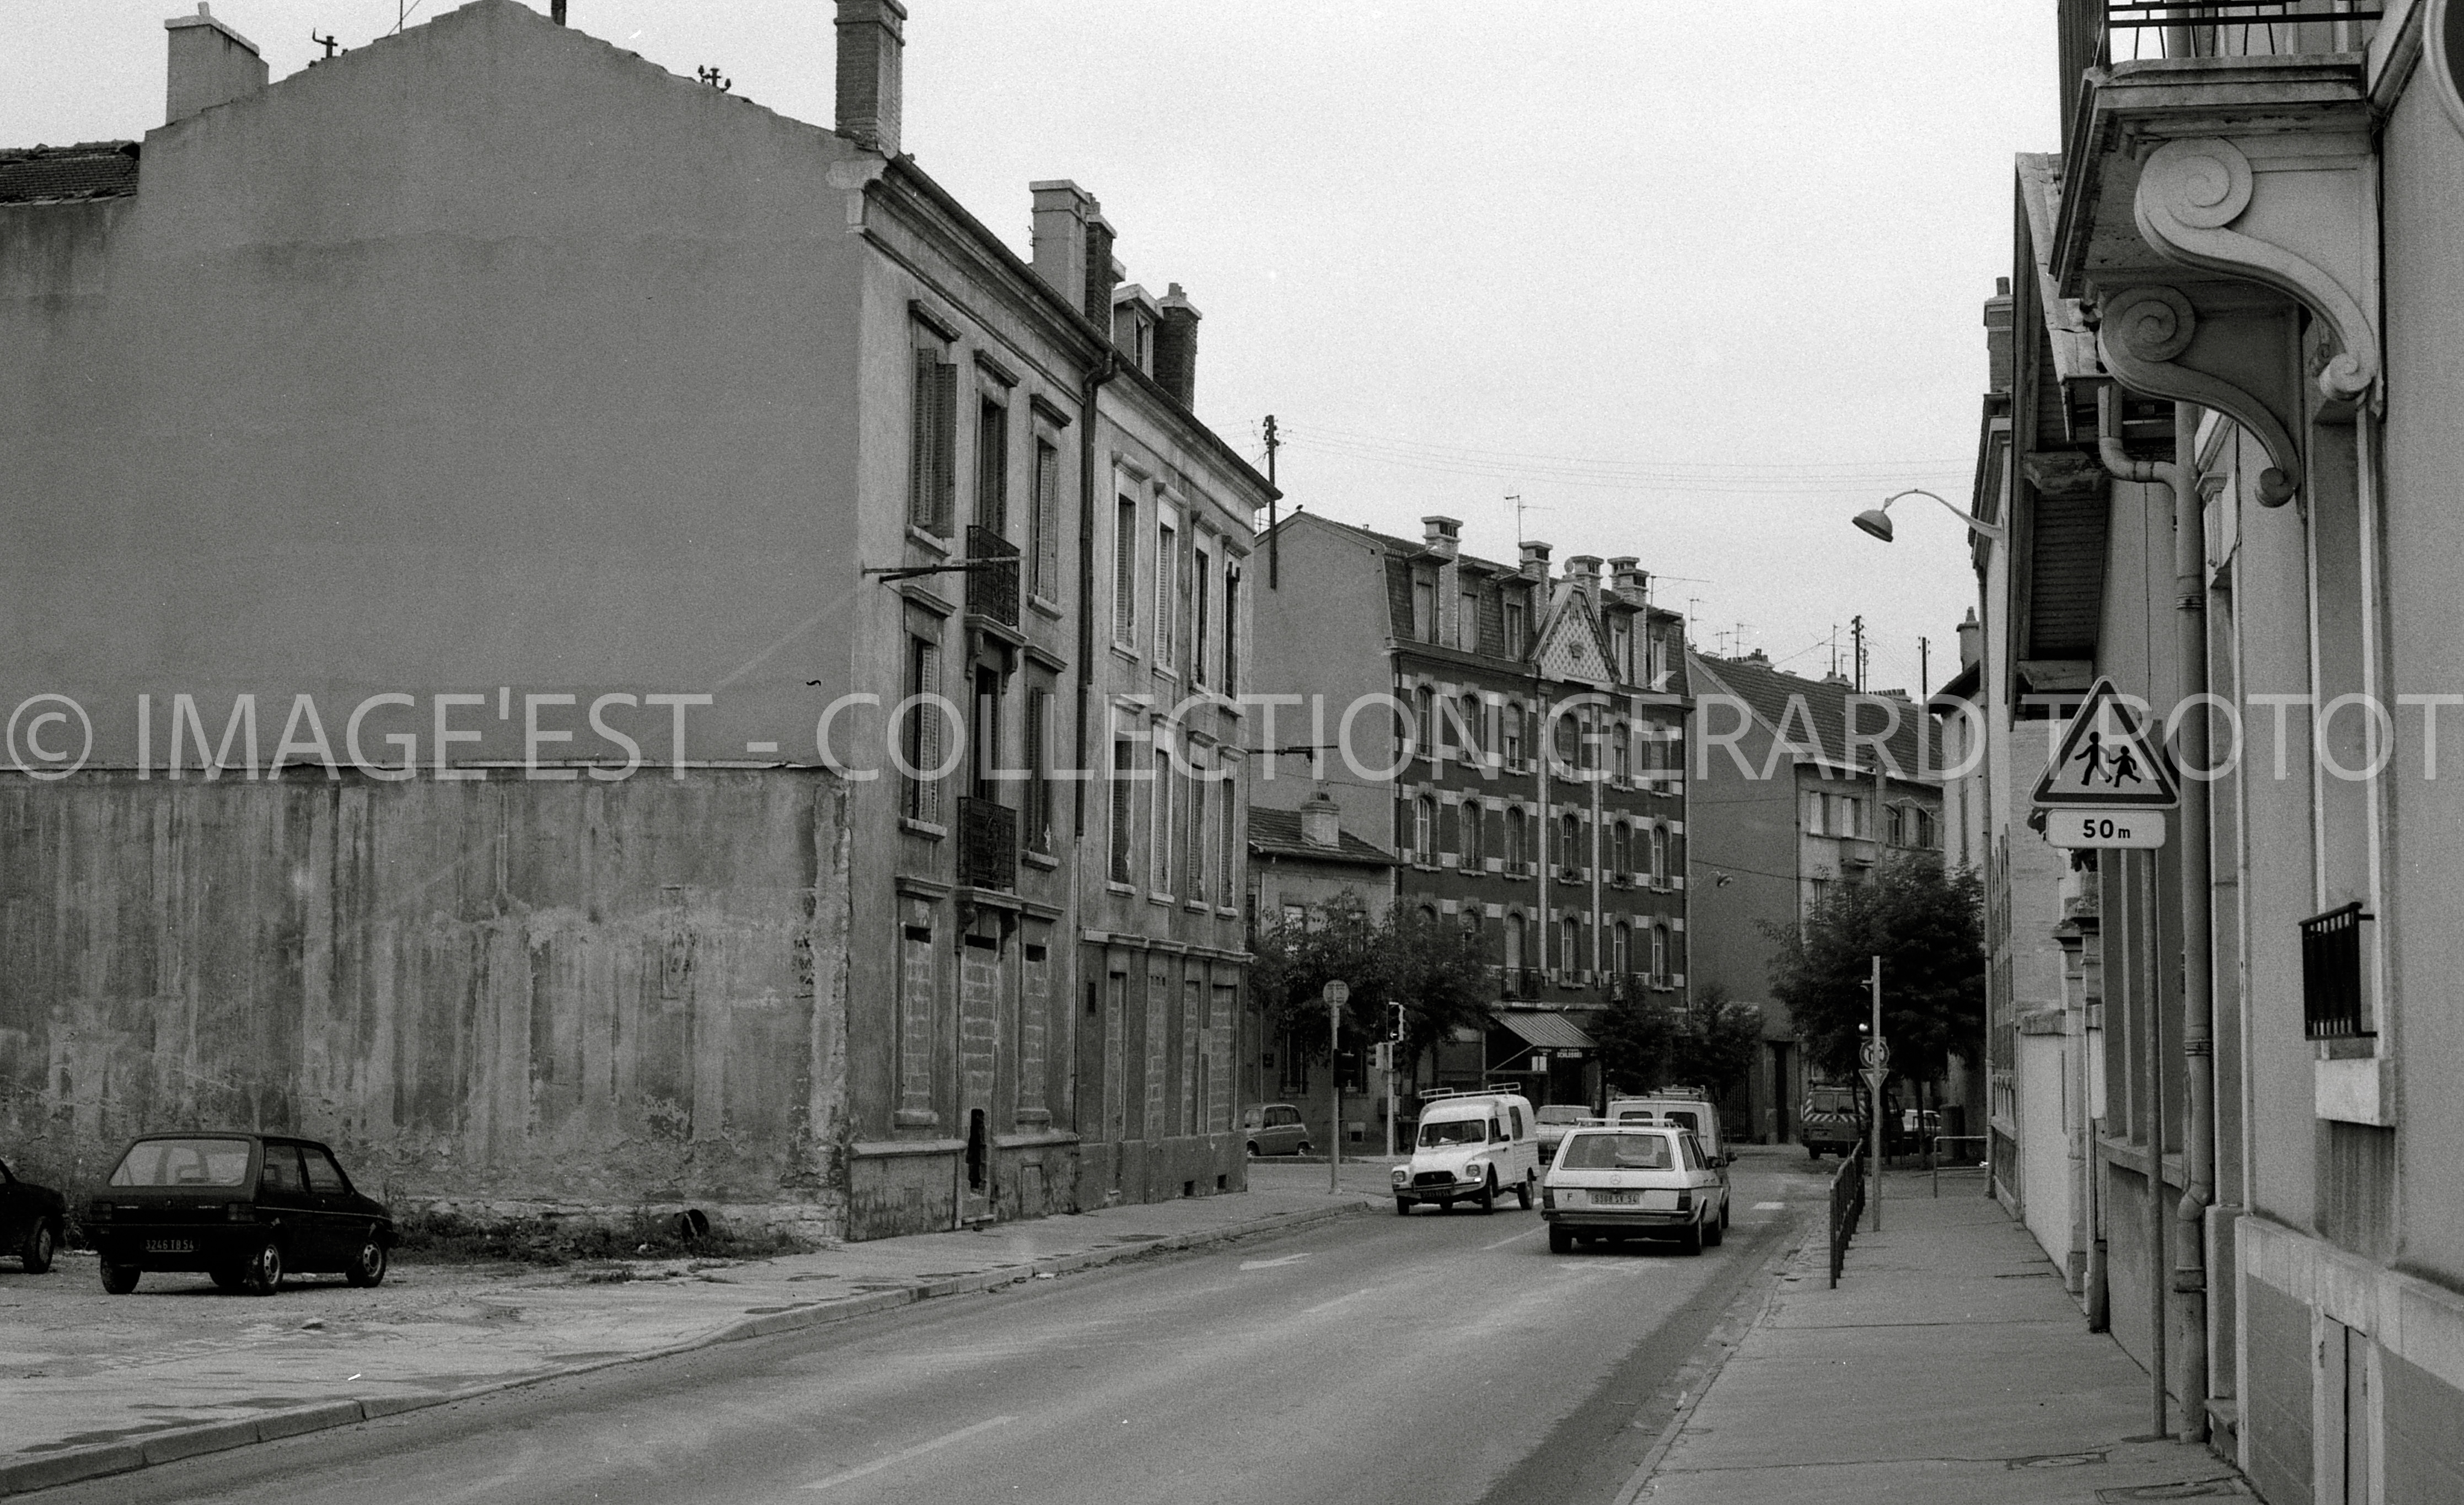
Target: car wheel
<point>1253,1149</point>
<point>1693,1243</point>
<point>119,1280</point>
<point>263,1272</point>
<point>1714,1233</point>
<point>1402,1207</point>
<point>1523,1192</point>
<point>1560,1241</point>
<point>369,1265</point>
<point>41,1242</point>
<point>1813,1152</point>
<point>1446,1205</point>
<point>1300,1148</point>
<point>1724,1212</point>
<point>229,1278</point>
<point>1488,1193</point>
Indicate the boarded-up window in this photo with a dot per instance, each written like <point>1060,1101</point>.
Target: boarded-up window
<point>1034,1015</point>
<point>915,982</point>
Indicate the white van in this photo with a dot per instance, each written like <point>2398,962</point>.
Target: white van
<point>1470,1147</point>
<point>1688,1108</point>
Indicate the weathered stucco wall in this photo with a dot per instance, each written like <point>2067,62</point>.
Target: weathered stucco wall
<point>580,994</point>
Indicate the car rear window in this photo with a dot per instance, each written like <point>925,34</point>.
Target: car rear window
<point>1617,1152</point>
<point>1834,1102</point>
<point>1560,1113</point>
<point>1684,1117</point>
<point>182,1163</point>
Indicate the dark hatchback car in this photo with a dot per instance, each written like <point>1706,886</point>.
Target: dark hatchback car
<point>245,1209</point>
<point>33,1221</point>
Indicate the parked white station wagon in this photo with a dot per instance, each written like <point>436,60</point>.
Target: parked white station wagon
<point>1616,1181</point>
<point>1471,1146</point>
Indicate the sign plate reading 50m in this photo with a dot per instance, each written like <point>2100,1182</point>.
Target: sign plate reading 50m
<point>2124,828</point>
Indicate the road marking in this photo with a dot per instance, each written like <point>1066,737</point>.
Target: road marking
<point>1771,1207</point>
<point>1503,1242</point>
<point>1337,1301</point>
<point>916,1451</point>
<point>1272,1264</point>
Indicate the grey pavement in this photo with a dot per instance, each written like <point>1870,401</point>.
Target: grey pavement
<point>1948,1366</point>
<point>96,1383</point>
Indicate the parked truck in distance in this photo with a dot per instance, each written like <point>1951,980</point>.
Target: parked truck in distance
<point>1832,1119</point>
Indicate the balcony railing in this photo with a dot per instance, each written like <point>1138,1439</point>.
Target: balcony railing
<point>987,844</point>
<point>2138,30</point>
<point>992,593</point>
<point>2331,974</point>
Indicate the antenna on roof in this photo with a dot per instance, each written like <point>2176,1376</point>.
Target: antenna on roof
<point>331,44</point>
<point>710,76</point>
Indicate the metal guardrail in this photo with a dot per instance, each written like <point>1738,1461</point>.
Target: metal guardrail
<point>1847,1206</point>
<point>1933,1159</point>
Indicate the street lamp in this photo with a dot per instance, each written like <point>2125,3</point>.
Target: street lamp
<point>1877,520</point>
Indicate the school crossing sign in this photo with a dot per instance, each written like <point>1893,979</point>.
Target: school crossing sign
<point>2107,784</point>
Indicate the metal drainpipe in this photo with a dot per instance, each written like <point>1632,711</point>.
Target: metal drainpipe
<point>1087,393</point>
<point>2189,1277</point>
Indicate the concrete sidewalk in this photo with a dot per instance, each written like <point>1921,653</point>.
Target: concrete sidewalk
<point>1948,1366</point>
<point>93,1383</point>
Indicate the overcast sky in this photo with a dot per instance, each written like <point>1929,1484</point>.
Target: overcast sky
<point>1698,281</point>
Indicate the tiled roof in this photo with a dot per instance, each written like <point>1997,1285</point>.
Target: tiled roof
<point>88,171</point>
<point>1278,833</point>
<point>1767,691</point>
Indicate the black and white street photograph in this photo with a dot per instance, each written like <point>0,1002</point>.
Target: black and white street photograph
<point>1718,807</point>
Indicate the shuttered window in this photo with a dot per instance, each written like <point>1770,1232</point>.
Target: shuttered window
<point>1231,629</point>
<point>1038,770</point>
<point>1159,859</point>
<point>1125,574</point>
<point>933,455</point>
<point>1167,577</point>
<point>992,466</point>
<point>923,730</point>
<point>1124,812</point>
<point>1048,521</point>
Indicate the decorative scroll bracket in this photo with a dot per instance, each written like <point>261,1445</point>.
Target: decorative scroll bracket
<point>2300,218</point>
<point>2243,360</point>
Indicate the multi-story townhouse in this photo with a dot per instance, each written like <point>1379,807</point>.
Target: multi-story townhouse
<point>1799,784</point>
<point>2228,487</point>
<point>689,522</point>
<point>1517,740</point>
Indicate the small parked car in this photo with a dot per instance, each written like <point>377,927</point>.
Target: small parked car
<point>244,1207</point>
<point>1471,1145</point>
<point>1554,1119</point>
<point>1274,1128</point>
<point>1619,1181</point>
<point>33,1221</point>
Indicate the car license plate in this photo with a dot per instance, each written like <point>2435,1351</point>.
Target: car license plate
<point>1614,1198</point>
<point>171,1246</point>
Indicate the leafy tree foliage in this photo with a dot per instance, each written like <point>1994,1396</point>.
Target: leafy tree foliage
<point>1646,1045</point>
<point>1927,923</point>
<point>1436,969</point>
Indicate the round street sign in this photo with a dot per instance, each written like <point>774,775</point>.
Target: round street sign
<point>1336,993</point>
<point>1874,1052</point>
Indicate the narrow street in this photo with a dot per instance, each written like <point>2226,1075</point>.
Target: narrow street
<point>1438,1358</point>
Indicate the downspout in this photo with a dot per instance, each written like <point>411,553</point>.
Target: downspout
<point>1087,393</point>
<point>2190,1277</point>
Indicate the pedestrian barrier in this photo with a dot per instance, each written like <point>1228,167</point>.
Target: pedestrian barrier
<point>1847,1206</point>
<point>1981,1162</point>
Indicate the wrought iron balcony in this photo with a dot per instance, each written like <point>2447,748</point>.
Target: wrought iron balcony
<point>2331,974</point>
<point>2138,30</point>
<point>987,844</point>
<point>992,593</point>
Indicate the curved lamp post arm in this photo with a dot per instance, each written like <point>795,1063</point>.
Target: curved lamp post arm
<point>1877,520</point>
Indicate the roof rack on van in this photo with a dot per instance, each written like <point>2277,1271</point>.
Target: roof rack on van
<point>1432,1093</point>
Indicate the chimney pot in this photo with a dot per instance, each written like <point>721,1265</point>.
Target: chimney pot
<point>871,38</point>
<point>1535,561</point>
<point>1443,535</point>
<point>1065,215</point>
<point>211,65</point>
<point>1626,571</point>
<point>1972,639</point>
<point>1321,823</point>
<point>1176,346</point>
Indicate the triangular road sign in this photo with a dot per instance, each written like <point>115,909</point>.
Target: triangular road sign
<point>2106,761</point>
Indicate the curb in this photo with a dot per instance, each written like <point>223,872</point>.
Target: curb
<point>1699,1376</point>
<point>72,1467</point>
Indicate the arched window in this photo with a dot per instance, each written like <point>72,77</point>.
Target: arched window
<point>1621,959</point>
<point>1475,727</point>
<point>1569,847</point>
<point>1514,842</point>
<point>1624,852</point>
<point>1424,719</point>
<point>1424,829</point>
<point>1510,720</point>
<point>1469,822</point>
<point>1514,940</point>
<point>1429,914</point>
<point>1659,854</point>
<point>1571,959</point>
<point>1621,753</point>
<point>1659,952</point>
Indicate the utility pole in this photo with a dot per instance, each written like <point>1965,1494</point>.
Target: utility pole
<point>1514,499</point>
<point>1394,1064</point>
<point>1925,671</point>
<point>1876,1070</point>
<point>1275,541</point>
<point>1334,993</point>
<point>1857,631</point>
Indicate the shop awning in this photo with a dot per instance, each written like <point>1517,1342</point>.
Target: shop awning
<point>1547,1029</point>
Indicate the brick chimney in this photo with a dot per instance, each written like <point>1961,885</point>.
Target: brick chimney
<point>871,37</point>
<point>1176,346</point>
<point>1535,561</point>
<point>1104,272</point>
<point>210,64</point>
<point>1063,214</point>
<point>1631,580</point>
<point>1997,337</point>
<point>1583,572</point>
<point>1972,639</point>
<point>1321,823</point>
<point>1442,535</point>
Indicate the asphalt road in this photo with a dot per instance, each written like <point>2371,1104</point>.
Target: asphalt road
<point>1439,1358</point>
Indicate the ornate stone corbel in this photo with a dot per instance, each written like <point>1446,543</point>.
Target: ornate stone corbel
<point>2302,223</point>
<point>2149,337</point>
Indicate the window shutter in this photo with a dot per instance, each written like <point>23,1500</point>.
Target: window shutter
<point>945,440</point>
<point>1048,519</point>
<point>928,731</point>
<point>1125,572</point>
<point>921,451</point>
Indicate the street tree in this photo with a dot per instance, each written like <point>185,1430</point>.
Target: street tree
<point>1437,970</point>
<point>1644,1044</point>
<point>1927,923</point>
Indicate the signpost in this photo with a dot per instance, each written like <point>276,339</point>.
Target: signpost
<point>1876,1055</point>
<point>1335,994</point>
